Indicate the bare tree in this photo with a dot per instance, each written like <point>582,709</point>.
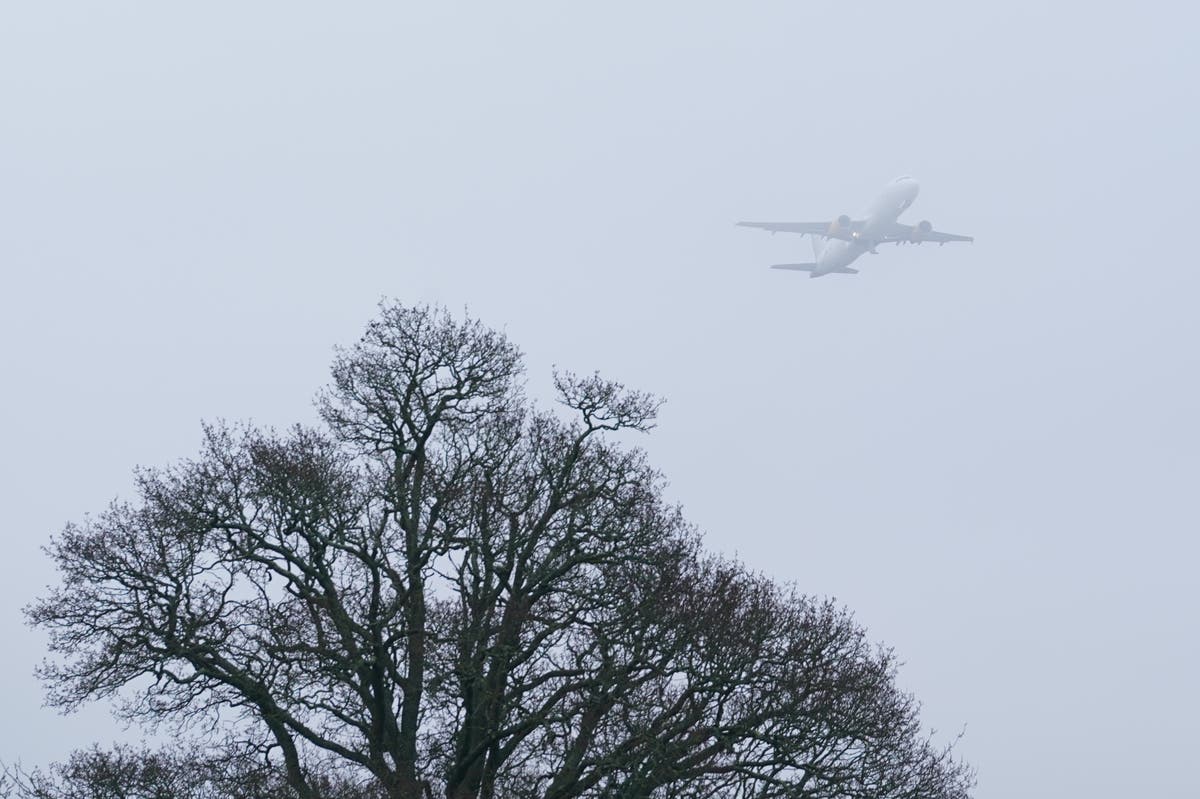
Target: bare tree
<point>449,591</point>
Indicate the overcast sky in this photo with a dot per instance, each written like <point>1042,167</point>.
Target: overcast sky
<point>989,451</point>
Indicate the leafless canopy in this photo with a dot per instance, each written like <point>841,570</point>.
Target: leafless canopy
<point>447,591</point>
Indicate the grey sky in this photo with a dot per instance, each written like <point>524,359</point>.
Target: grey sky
<point>989,451</point>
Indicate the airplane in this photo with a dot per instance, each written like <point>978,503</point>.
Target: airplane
<point>839,243</point>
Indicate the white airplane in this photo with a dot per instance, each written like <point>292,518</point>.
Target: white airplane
<point>838,244</point>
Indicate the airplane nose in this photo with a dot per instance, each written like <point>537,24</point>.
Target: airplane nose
<point>913,189</point>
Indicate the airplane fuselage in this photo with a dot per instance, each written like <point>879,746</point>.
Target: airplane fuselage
<point>833,255</point>
<point>883,213</point>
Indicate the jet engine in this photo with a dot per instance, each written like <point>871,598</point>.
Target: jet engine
<point>921,230</point>
<point>840,225</point>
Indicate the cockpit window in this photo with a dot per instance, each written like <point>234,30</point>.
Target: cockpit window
<point>901,179</point>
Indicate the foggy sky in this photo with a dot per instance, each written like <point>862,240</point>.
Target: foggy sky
<point>989,451</point>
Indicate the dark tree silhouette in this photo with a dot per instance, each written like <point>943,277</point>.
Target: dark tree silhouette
<point>447,591</point>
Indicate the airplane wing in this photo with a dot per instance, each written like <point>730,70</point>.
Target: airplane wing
<point>900,234</point>
<point>812,228</point>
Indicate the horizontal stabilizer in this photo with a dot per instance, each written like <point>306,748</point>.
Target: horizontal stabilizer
<point>841,270</point>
